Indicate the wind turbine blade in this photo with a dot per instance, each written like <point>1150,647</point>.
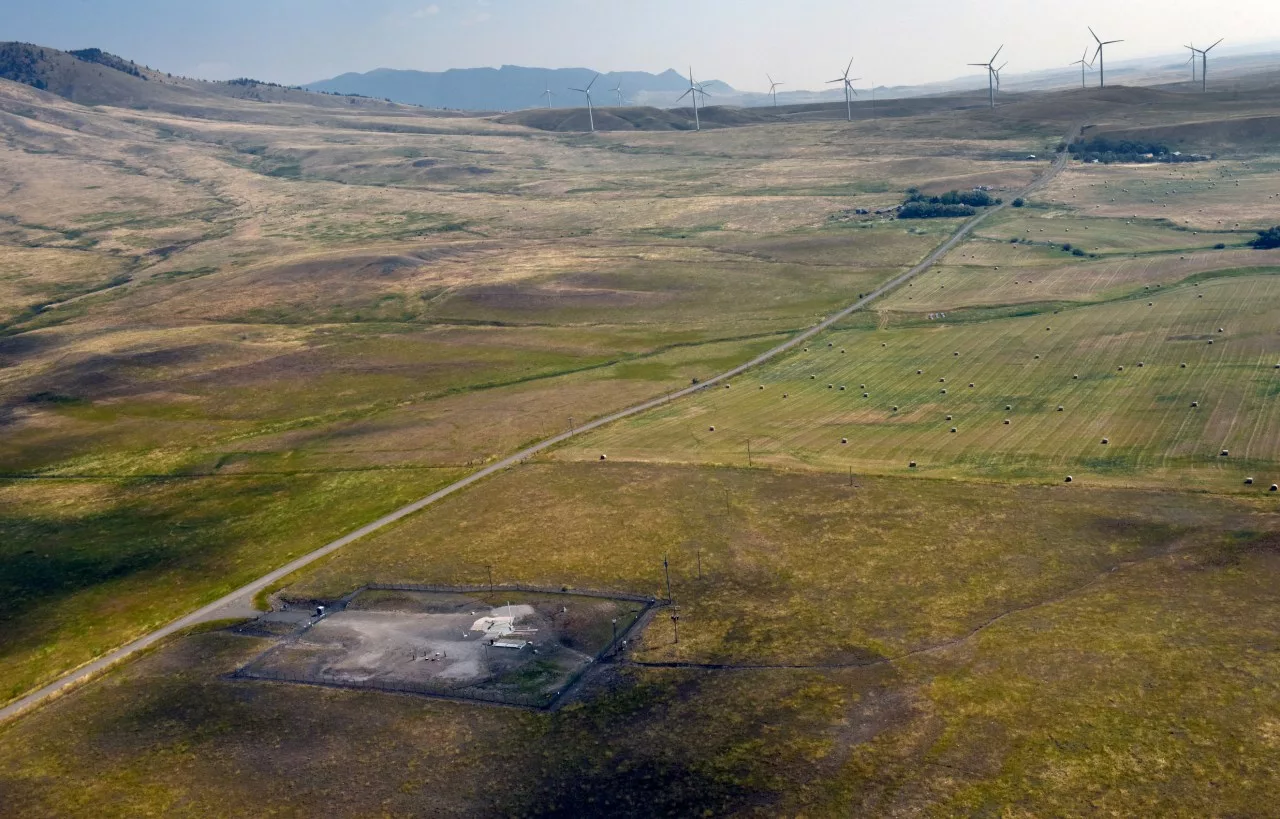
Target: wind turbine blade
<point>997,54</point>
<point>1212,47</point>
<point>685,94</point>
<point>1094,33</point>
<point>833,82</point>
<point>1110,42</point>
<point>593,82</point>
<point>849,67</point>
<point>979,65</point>
<point>771,82</point>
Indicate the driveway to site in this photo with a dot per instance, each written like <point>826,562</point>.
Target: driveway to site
<point>239,603</point>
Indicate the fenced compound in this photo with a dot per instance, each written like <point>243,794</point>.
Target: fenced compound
<point>299,661</point>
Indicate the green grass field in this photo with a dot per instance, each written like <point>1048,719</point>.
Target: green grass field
<point>940,649</point>
<point>795,412</point>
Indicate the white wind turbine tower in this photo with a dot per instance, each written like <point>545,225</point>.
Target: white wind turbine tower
<point>848,89</point>
<point>591,113</point>
<point>1085,63</point>
<point>990,65</point>
<point>1192,61</point>
<point>618,91</point>
<point>997,73</point>
<point>692,94</point>
<point>1102,66</point>
<point>548,94</point>
<point>1204,65</point>
<point>773,90</point>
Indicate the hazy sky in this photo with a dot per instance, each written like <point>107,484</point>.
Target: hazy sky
<point>800,42</point>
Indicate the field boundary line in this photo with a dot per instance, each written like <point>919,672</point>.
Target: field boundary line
<point>232,604</point>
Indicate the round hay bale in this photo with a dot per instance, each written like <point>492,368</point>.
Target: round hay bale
<point>762,386</point>
<point>1120,368</point>
<point>884,345</point>
<point>953,429</point>
<point>1060,409</point>
<point>727,386</point>
<point>711,429</point>
<point>1069,479</point>
<point>830,345</point>
<point>1142,364</point>
<point>604,457</point>
<point>944,392</point>
<point>1151,304</point>
<point>842,388</point>
<point>956,354</point>
<point>1184,365</point>
<point>1106,441</point>
<point>862,386</point>
<point>1075,377</point>
<point>919,372</point>
<point>1007,422</point>
<point>1226,453</point>
<point>1248,481</point>
<point>949,418</point>
<point>942,380</point>
<point>866,395</point>
<point>831,386</point>
<point>1210,341</point>
<point>970,385</point>
<point>1037,358</point>
<point>786,395</point>
<point>844,440</point>
<point>1195,404</point>
<point>813,378</point>
<point>1008,407</point>
<point>1275,488</point>
<point>842,352</point>
<point>913,465</point>
<point>895,409</point>
<point>1221,330</point>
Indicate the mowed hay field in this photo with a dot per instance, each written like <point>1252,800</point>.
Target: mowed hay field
<point>1131,389</point>
<point>903,647</point>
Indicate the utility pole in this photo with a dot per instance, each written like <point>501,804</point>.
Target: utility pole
<point>749,452</point>
<point>615,632</point>
<point>675,622</point>
<point>851,476</point>
<point>666,570</point>
<point>571,423</point>
<point>489,568</point>
<point>699,564</point>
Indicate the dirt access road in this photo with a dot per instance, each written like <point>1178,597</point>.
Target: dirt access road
<point>239,603</point>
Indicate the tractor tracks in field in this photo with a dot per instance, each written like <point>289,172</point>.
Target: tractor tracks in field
<point>978,629</point>
<point>239,604</point>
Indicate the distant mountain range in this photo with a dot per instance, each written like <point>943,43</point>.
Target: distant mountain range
<point>513,88</point>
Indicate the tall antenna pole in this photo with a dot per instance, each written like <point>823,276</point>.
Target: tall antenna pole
<point>666,569</point>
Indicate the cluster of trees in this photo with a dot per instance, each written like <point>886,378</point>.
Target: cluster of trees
<point>951,204</point>
<point>22,63</point>
<point>100,57</point>
<point>1267,239</point>
<point>1127,150</point>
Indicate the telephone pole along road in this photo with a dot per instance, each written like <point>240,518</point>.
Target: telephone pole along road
<point>239,603</point>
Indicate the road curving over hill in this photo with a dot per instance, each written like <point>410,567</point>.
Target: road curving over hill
<point>239,603</point>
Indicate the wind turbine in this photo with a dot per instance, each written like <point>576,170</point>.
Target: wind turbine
<point>997,73</point>
<point>1192,61</point>
<point>1102,66</point>
<point>548,94</point>
<point>848,88</point>
<point>1204,65</point>
<point>991,74</point>
<point>1085,63</point>
<point>591,113</point>
<point>692,94</point>
<point>773,90</point>
<point>618,91</point>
